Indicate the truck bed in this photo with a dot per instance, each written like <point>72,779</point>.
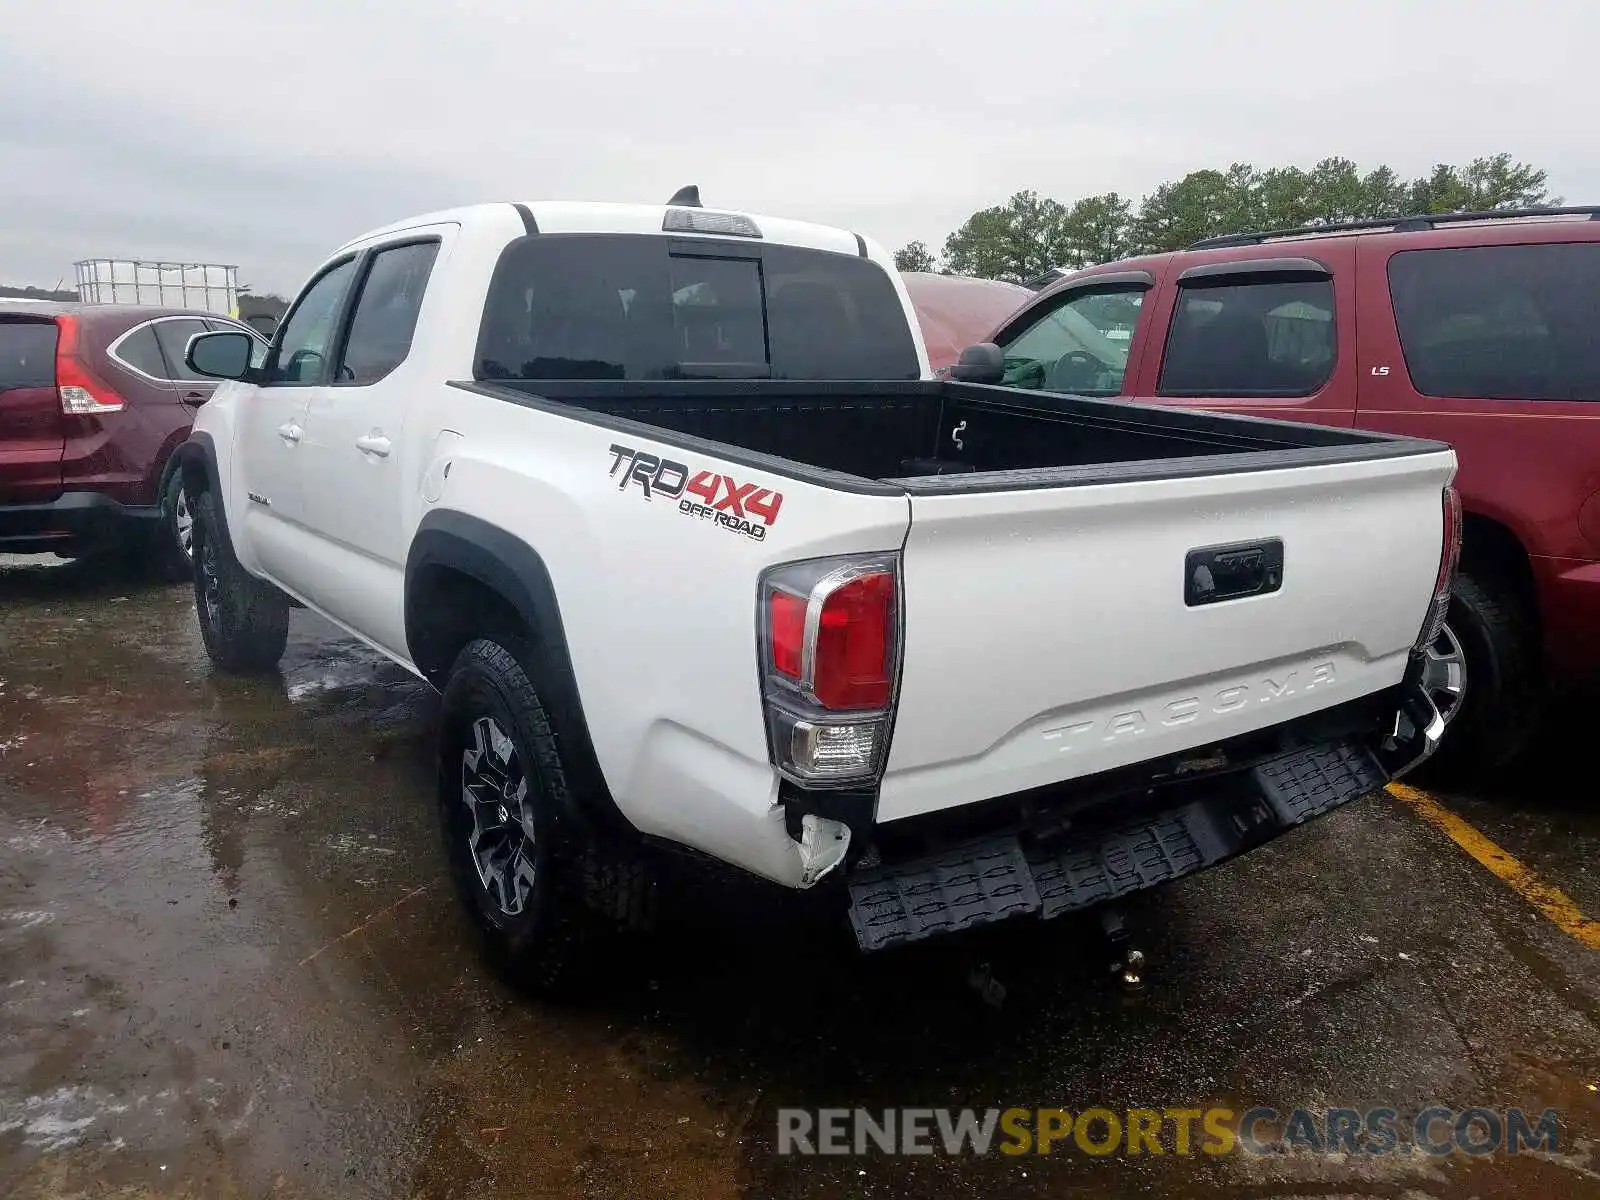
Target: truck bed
<point>936,436</point>
<point>1087,584</point>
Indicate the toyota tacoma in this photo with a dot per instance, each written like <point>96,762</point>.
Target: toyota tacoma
<point>666,502</point>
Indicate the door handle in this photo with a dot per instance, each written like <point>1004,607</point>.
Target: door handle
<point>374,444</point>
<point>289,433</point>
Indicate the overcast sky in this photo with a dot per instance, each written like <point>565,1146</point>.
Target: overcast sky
<point>265,133</point>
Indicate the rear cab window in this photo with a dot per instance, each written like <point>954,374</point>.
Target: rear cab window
<point>643,307</point>
<point>1515,322</point>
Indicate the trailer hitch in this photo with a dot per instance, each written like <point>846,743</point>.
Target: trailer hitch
<point>1127,960</point>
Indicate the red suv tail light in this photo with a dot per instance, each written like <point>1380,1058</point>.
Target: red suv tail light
<point>1449,559</point>
<point>830,656</point>
<point>82,392</point>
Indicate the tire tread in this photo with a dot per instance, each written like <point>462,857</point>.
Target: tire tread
<point>1493,728</point>
<point>255,615</point>
<point>543,950</point>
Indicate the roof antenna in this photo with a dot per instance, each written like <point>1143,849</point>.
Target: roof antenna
<point>686,197</point>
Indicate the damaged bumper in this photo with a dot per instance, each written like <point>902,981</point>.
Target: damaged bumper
<point>1065,863</point>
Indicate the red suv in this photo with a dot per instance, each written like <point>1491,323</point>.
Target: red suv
<point>94,398</point>
<point>1477,329</point>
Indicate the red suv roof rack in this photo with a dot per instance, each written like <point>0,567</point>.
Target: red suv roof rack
<point>1408,224</point>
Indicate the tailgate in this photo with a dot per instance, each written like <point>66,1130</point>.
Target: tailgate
<point>31,433</point>
<point>1056,633</point>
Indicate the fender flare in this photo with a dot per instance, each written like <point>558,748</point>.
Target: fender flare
<point>196,457</point>
<point>514,571</point>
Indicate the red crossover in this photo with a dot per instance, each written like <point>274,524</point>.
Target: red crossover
<point>94,398</point>
<point>1477,329</point>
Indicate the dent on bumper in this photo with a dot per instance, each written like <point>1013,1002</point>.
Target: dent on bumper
<point>696,793</point>
<point>1214,818</point>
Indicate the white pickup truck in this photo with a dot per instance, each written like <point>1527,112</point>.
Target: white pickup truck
<point>667,504</point>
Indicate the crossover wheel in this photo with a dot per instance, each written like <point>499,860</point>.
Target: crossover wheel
<point>174,546</point>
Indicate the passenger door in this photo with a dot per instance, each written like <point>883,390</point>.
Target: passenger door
<point>353,455</point>
<point>1268,336</point>
<point>272,428</point>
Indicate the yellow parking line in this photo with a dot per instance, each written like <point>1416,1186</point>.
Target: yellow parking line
<point>1547,898</point>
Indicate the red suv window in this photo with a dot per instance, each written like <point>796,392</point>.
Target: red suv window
<point>1250,336</point>
<point>1500,322</point>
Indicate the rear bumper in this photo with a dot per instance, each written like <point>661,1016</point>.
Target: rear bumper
<point>72,522</point>
<point>1074,859</point>
<point>1038,853</point>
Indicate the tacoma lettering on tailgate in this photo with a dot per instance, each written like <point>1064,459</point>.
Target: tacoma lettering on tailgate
<point>1186,710</point>
<point>706,495</point>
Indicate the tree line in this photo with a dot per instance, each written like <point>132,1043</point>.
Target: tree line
<point>1029,233</point>
<point>8,292</point>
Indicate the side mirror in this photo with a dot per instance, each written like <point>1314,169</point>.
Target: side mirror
<point>222,354</point>
<point>982,363</point>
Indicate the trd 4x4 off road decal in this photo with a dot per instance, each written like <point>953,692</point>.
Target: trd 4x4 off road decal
<point>743,508</point>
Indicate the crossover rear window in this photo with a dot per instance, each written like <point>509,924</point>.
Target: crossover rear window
<point>1500,322</point>
<point>603,306</point>
<point>27,354</point>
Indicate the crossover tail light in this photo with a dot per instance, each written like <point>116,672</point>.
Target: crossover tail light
<point>82,392</point>
<point>830,659</point>
<point>1449,560</point>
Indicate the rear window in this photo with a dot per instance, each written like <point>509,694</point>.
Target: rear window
<point>174,338</point>
<point>641,307</point>
<point>1500,322</point>
<point>27,354</point>
<point>1250,336</point>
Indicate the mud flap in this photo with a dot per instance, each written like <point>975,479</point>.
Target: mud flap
<point>992,879</point>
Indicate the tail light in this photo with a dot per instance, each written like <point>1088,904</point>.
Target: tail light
<point>1449,558</point>
<point>830,658</point>
<point>82,392</point>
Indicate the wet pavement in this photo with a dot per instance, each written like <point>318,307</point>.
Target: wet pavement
<point>230,965</point>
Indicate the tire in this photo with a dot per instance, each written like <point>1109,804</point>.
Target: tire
<point>173,559</point>
<point>245,622</point>
<point>1504,697</point>
<point>517,861</point>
